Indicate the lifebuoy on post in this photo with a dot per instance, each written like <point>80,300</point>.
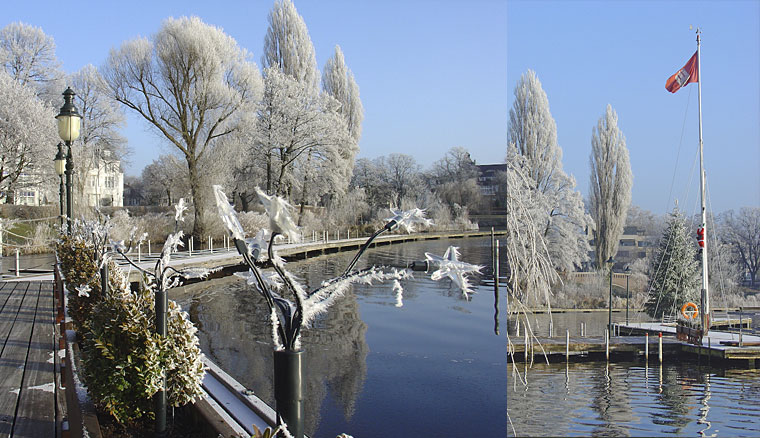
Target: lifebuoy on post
<point>690,310</point>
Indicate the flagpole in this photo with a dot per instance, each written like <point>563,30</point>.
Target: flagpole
<point>705,296</point>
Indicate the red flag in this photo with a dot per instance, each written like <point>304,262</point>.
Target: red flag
<point>688,74</point>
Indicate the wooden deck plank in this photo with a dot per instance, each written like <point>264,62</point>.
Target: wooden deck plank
<point>35,415</point>
<point>18,327</point>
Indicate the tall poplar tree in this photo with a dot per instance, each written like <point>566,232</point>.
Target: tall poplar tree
<point>610,185</point>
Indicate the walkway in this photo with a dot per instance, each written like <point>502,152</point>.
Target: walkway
<point>29,395</point>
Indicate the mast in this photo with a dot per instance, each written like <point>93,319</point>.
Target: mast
<point>705,296</point>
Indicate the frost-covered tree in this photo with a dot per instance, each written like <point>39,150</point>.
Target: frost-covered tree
<point>190,81</point>
<point>402,176</point>
<point>454,178</point>
<point>532,135</point>
<point>288,47</point>
<point>27,137</point>
<point>338,81</point>
<point>27,54</point>
<point>531,270</point>
<point>165,180</point>
<point>742,232</point>
<point>610,185</point>
<point>297,138</point>
<point>674,273</point>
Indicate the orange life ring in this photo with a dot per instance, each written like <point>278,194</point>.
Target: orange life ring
<point>693,313</point>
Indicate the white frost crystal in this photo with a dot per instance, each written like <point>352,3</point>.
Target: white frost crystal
<point>227,213</point>
<point>450,266</point>
<point>407,218</point>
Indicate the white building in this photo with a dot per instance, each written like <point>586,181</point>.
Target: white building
<point>104,183</point>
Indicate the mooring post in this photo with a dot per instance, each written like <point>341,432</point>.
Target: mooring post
<point>551,329</point>
<point>709,351</point>
<point>190,246</point>
<point>18,271</point>
<point>567,345</point>
<point>607,343</point>
<point>139,253</point>
<point>646,348</point>
<point>210,244</point>
<point>518,327</point>
<point>525,332</point>
<point>741,323</point>
<point>660,346</point>
<point>148,248</point>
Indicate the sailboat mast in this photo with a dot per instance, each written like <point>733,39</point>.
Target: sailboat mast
<point>705,296</point>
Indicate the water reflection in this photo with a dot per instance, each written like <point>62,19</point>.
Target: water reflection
<point>229,319</point>
<point>618,400</point>
<point>372,368</point>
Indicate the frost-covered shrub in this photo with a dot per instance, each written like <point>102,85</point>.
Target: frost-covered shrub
<point>123,358</point>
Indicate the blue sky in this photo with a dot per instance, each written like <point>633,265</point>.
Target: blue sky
<point>590,54</point>
<point>431,73</point>
<point>439,74</point>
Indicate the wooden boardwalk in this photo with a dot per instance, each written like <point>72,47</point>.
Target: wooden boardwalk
<point>30,397</point>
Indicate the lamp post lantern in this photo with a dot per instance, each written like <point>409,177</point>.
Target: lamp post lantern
<point>60,168</point>
<point>69,122</point>
<point>610,263</point>
<point>627,293</point>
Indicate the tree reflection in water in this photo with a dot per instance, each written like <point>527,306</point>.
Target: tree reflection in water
<point>229,318</point>
<point>620,400</point>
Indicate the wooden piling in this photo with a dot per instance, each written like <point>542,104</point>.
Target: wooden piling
<point>646,348</point>
<point>660,346</point>
<point>567,345</point>
<point>18,270</point>
<point>607,339</point>
<point>139,253</point>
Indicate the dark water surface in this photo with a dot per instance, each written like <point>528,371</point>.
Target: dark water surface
<point>431,368</point>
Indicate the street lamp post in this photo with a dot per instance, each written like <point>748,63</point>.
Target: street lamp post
<point>610,263</point>
<point>627,294</point>
<point>60,168</point>
<point>69,122</point>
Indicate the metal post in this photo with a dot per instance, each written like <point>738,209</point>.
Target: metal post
<point>139,253</point>
<point>18,271</point>
<point>627,297</point>
<point>609,313</point>
<point>210,245</point>
<point>69,172</point>
<point>288,391</point>
<point>159,399</point>
<point>60,194</point>
<point>567,345</point>
<point>148,247</point>
<point>741,316</point>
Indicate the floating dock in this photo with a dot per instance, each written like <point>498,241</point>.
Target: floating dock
<point>652,341</point>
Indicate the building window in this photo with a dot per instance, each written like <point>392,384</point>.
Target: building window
<point>110,183</point>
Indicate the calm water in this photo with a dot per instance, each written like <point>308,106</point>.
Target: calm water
<point>631,399</point>
<point>433,367</point>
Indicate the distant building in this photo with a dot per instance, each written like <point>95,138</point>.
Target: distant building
<point>104,183</point>
<point>103,186</point>
<point>488,181</point>
<point>634,244</point>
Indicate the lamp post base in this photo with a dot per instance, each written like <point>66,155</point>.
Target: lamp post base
<point>288,390</point>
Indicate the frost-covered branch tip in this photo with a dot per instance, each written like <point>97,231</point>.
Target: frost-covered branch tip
<point>407,219</point>
<point>280,220</point>
<point>450,266</point>
<point>228,215</point>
